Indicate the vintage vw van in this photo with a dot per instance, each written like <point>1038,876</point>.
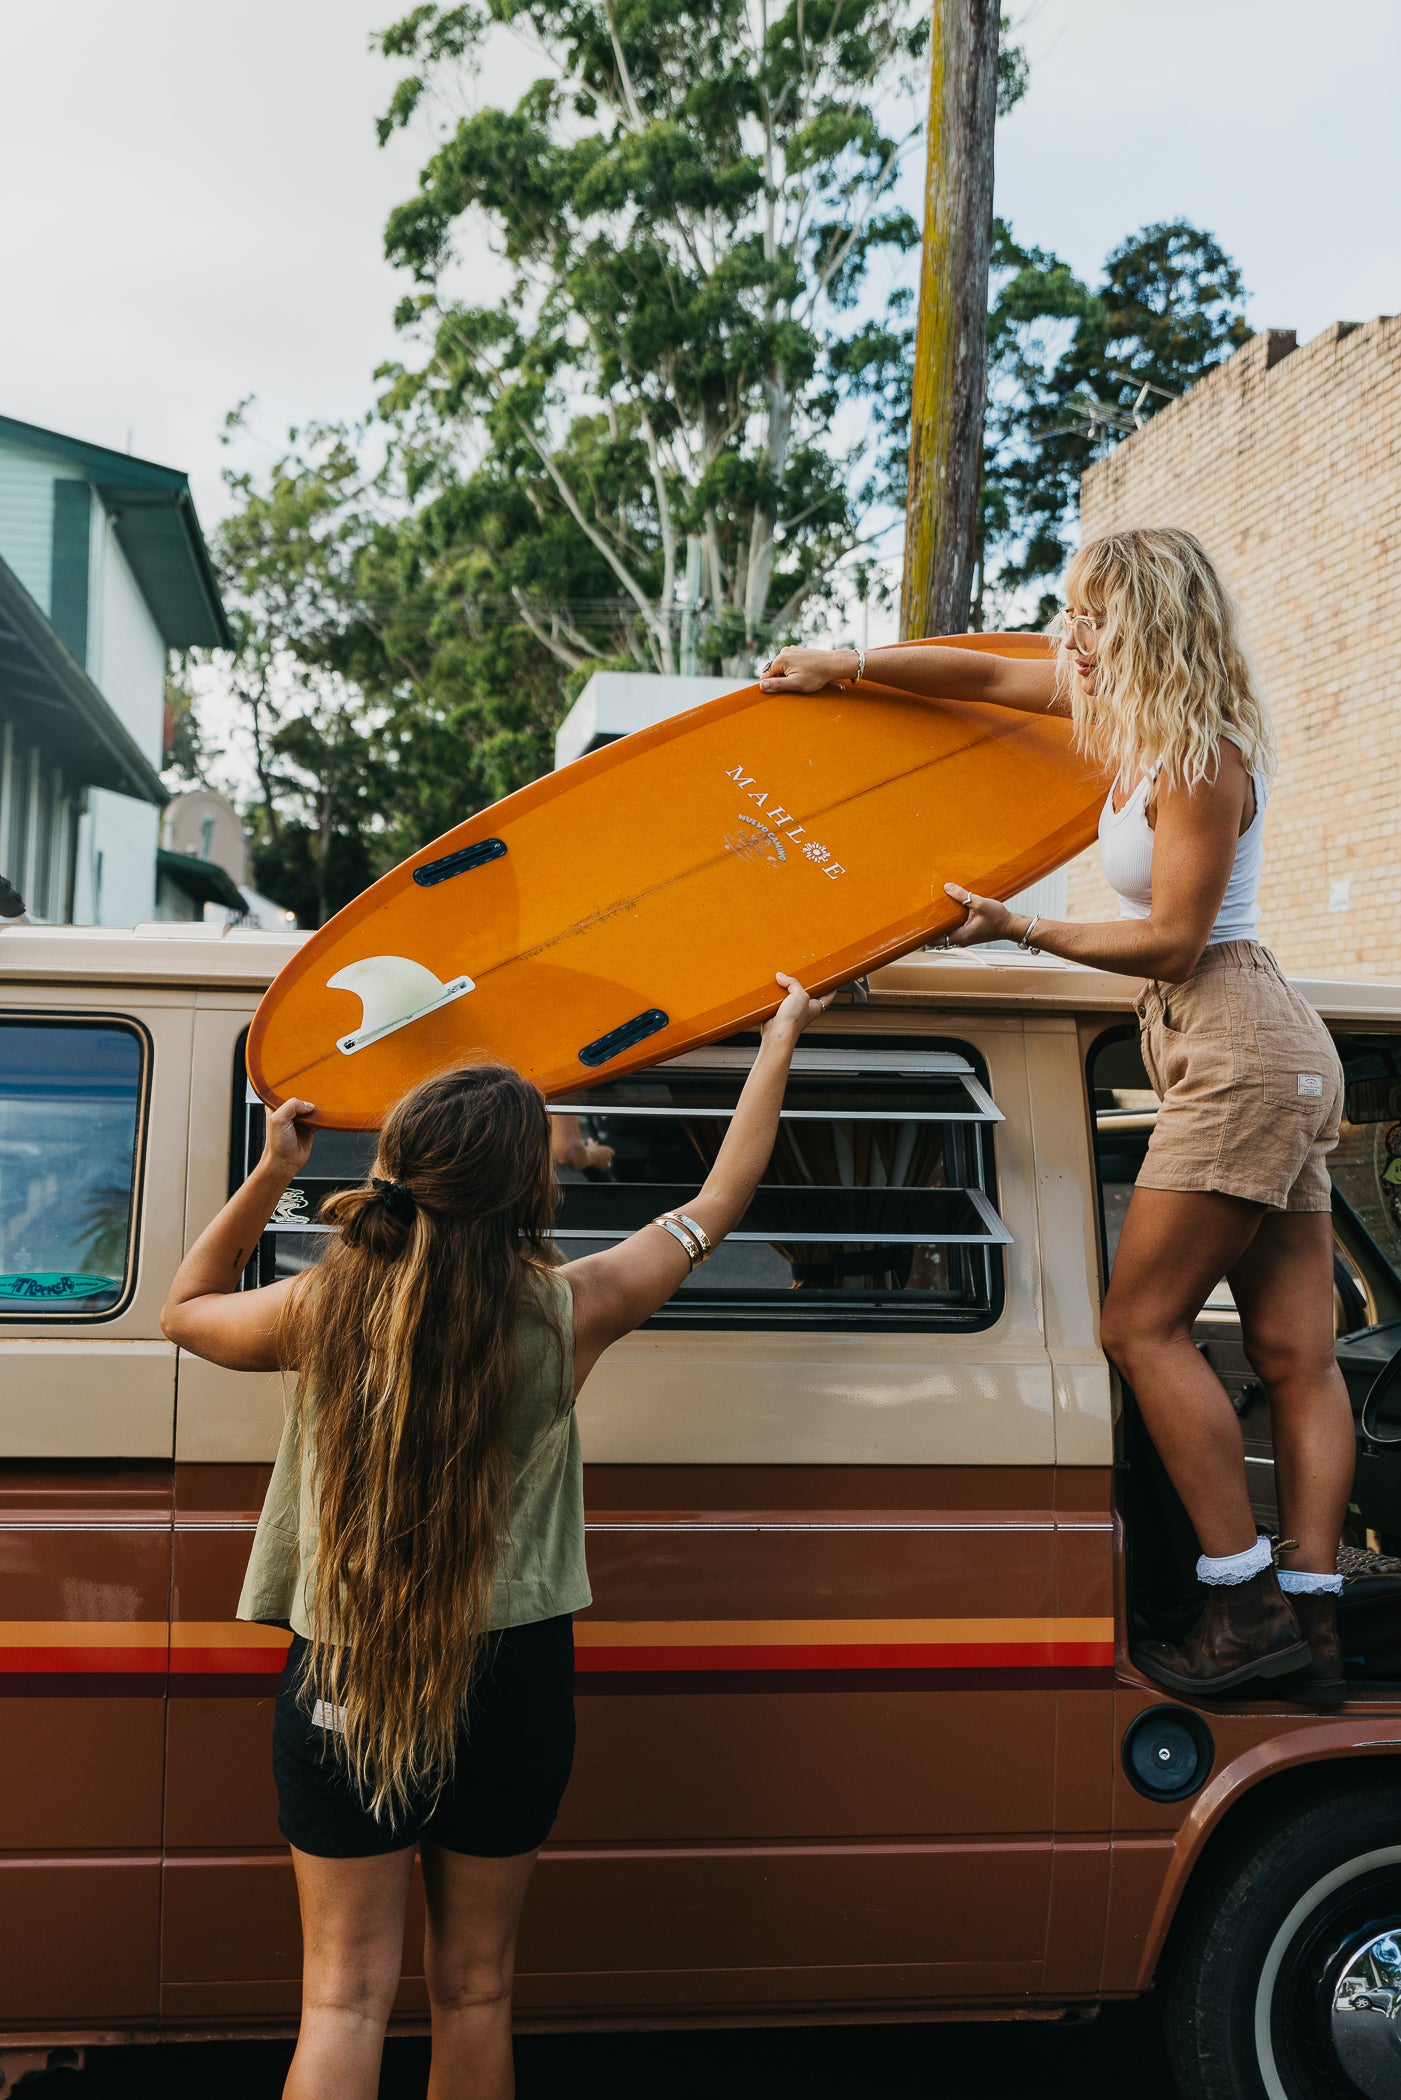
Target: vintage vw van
<point>869,1526</point>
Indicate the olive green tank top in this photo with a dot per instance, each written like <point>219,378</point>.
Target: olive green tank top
<point>541,1573</point>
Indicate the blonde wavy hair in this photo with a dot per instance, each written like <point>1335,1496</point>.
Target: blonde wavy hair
<point>1171,673</point>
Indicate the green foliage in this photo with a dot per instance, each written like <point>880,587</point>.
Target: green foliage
<point>187,753</point>
<point>1072,370</point>
<point>102,1225</point>
<point>690,201</point>
<point>1013,69</point>
<point>380,710</point>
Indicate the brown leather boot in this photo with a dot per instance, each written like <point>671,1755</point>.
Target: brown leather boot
<point>1321,1681</point>
<point>1247,1630</point>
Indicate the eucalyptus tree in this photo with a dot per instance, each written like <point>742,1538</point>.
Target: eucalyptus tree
<point>690,200</point>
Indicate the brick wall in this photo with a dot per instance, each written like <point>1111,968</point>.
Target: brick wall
<point>1286,462</point>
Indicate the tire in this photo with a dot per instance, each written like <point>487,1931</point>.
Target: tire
<point>1251,1981</point>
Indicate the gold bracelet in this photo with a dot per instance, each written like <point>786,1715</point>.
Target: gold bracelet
<point>687,1235</point>
<point>689,1247</point>
<point>697,1232</point>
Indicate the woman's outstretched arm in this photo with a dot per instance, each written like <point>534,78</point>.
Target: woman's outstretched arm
<point>1193,853</point>
<point>205,1312</point>
<point>930,672</point>
<point>617,1290</point>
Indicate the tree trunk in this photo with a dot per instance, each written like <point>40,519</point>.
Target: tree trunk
<point>950,375</point>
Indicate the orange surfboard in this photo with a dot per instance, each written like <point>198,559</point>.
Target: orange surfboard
<point>638,902</point>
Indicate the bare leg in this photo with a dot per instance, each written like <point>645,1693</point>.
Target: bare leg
<point>1283,1285</point>
<point>469,1963</point>
<point>1173,1251</point>
<point>353,1950</point>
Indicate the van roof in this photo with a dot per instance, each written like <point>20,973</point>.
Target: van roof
<point>189,953</point>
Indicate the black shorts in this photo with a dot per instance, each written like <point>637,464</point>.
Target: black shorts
<point>513,1759</point>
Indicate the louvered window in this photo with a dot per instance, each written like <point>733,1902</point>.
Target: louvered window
<point>878,1207</point>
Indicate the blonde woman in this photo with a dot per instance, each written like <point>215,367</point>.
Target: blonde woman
<point>1150,670</point>
<point>423,1534</point>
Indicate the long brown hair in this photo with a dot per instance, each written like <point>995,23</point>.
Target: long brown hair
<point>405,1338</point>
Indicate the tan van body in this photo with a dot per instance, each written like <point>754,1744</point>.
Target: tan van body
<point>853,1691</point>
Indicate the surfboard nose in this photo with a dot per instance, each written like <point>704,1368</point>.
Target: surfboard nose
<point>393,990</point>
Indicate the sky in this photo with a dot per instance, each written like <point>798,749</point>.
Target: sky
<point>195,197</point>
<point>1269,122</point>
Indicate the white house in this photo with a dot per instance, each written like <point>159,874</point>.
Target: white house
<point>103,571</point>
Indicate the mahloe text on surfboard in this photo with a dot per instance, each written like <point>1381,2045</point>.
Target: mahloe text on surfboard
<point>780,819</point>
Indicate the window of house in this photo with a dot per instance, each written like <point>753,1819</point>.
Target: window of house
<point>71,1112</point>
<point>877,1209</point>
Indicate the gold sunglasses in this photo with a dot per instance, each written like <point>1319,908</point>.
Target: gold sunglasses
<point>1082,629</point>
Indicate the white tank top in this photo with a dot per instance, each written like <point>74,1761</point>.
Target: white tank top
<point>1126,849</point>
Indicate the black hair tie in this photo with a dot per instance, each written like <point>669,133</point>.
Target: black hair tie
<point>397,1200</point>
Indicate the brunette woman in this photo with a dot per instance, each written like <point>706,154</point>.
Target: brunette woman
<point>1151,672</point>
<point>423,1534</point>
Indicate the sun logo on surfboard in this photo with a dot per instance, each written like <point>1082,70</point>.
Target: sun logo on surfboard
<point>757,843</point>
<point>762,842</point>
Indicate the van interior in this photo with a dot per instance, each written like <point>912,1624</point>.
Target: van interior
<point>886,1147</point>
<point>1164,1596</point>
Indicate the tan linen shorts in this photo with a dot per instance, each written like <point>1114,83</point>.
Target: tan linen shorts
<point>1250,1083</point>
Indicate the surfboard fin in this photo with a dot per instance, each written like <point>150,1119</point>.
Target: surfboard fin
<point>393,991</point>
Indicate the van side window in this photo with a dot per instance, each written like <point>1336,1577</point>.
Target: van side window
<point>71,1114</point>
<point>877,1209</point>
<point>1366,1166</point>
<point>339,1159</point>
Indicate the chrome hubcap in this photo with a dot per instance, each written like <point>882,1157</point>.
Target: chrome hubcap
<point>1366,2018</point>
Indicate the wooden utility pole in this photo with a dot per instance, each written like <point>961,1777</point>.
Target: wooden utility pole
<point>950,375</point>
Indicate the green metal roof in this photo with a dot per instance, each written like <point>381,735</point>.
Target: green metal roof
<point>60,706</point>
<point>153,513</point>
<point>204,880</point>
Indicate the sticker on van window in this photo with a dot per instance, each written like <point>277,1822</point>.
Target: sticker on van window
<point>56,1284</point>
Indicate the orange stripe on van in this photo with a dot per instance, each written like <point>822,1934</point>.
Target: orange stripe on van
<point>229,1648</point>
<point>768,1633</point>
<point>842,1644</point>
<point>225,1648</point>
<point>110,1647</point>
<point>48,1647</point>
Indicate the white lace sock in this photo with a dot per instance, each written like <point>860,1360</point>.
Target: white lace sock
<point>1228,1568</point>
<point>1299,1582</point>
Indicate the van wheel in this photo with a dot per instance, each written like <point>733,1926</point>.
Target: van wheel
<point>1285,1983</point>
